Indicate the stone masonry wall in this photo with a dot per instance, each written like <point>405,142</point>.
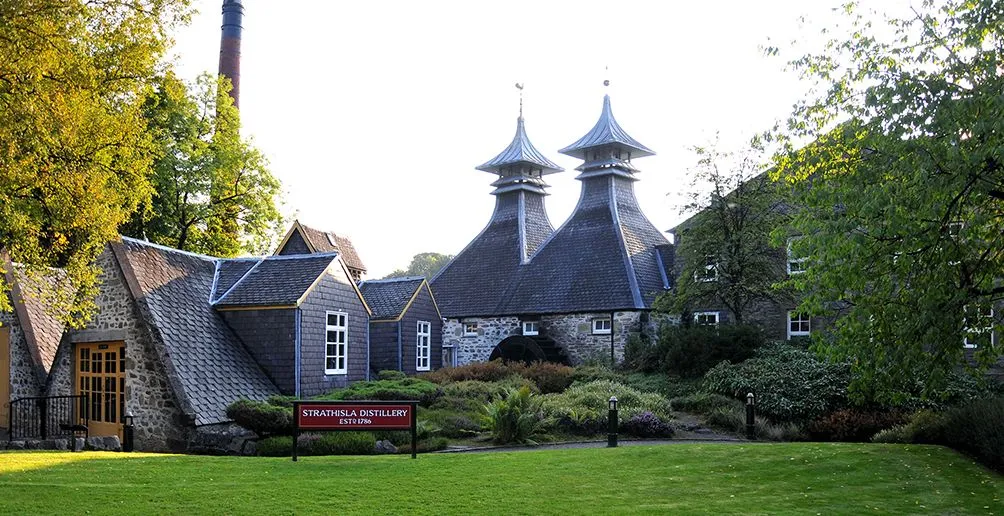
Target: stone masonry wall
<point>23,382</point>
<point>159,423</point>
<point>491,331</point>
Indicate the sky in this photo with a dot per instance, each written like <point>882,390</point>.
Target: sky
<point>374,114</point>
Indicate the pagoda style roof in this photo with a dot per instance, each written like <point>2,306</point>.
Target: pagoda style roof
<point>520,151</point>
<point>606,132</point>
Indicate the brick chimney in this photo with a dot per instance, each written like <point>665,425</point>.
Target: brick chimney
<point>230,45</point>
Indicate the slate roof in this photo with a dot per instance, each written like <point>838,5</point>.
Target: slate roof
<point>275,280</point>
<point>320,242</point>
<point>207,364</point>
<point>42,331</point>
<point>520,151</point>
<point>389,297</point>
<point>228,273</point>
<point>606,132</point>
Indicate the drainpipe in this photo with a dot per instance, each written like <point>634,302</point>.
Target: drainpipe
<point>400,349</point>
<point>296,347</point>
<point>368,366</point>
<point>612,359</point>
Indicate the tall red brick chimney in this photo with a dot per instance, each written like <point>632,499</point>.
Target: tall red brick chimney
<point>230,45</point>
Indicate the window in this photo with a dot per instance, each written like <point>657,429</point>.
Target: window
<point>470,329</point>
<point>710,270</point>
<point>601,326</point>
<point>798,325</point>
<point>336,343</point>
<point>795,265</point>
<point>422,346</point>
<point>531,328</point>
<point>955,229</point>
<point>706,318</point>
<point>978,327</point>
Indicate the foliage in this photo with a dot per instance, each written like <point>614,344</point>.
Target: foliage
<point>74,150</point>
<point>901,191</point>
<point>591,373</point>
<point>262,418</point>
<point>646,424</point>
<point>924,427</point>
<point>725,249</point>
<point>854,424</point>
<point>515,418</point>
<point>415,389</point>
<point>426,445</point>
<point>975,428</point>
<point>328,443</point>
<point>790,384</point>
<point>733,419</point>
<point>423,264</point>
<point>582,408</point>
<point>691,351</point>
<point>548,376</point>
<point>391,374</point>
<point>492,371</point>
<point>213,191</point>
<point>454,424</point>
<point>704,403</point>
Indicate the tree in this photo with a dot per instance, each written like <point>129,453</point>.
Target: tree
<point>213,192</point>
<point>423,264</point>
<point>74,151</point>
<point>726,247</point>
<point>902,191</point>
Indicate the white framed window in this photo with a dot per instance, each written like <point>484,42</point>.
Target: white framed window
<point>601,326</point>
<point>978,327</point>
<point>336,343</point>
<point>799,325</point>
<point>470,329</point>
<point>796,265</point>
<point>706,318</point>
<point>531,327</point>
<point>423,347</point>
<point>710,270</point>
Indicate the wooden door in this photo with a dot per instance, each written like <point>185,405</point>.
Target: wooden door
<point>100,376</point>
<point>4,375</point>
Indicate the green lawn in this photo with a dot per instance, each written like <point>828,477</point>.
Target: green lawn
<point>804,478</point>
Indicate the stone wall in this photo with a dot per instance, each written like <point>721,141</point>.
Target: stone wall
<point>477,348</point>
<point>159,423</point>
<point>23,381</point>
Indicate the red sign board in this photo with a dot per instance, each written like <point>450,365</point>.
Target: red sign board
<point>361,416</point>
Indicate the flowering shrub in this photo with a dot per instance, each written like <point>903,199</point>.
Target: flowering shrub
<point>646,424</point>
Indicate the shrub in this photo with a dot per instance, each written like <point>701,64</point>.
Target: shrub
<point>264,419</point>
<point>515,418</point>
<point>483,371</point>
<point>425,445</point>
<point>278,446</point>
<point>548,376</point>
<point>343,443</point>
<point>704,403</point>
<point>690,351</point>
<point>975,429</point>
<point>415,389</point>
<point>450,423</point>
<point>391,374</point>
<point>643,354</point>
<point>281,401</point>
<point>732,418</point>
<point>854,424</point>
<point>582,409</point>
<point>647,382</point>
<point>591,373</point>
<point>791,384</point>
<point>646,424</point>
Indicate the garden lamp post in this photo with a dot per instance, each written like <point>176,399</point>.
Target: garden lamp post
<point>612,423</point>
<point>127,432</point>
<point>750,419</point>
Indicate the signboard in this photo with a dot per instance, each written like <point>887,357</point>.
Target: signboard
<point>333,416</point>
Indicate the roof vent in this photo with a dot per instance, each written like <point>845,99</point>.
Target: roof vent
<point>331,239</point>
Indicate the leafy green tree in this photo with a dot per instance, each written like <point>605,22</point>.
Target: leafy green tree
<point>423,264</point>
<point>74,150</point>
<point>902,191</point>
<point>725,249</point>
<point>213,191</point>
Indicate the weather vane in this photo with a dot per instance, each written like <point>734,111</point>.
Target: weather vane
<point>519,86</point>
<point>606,72</point>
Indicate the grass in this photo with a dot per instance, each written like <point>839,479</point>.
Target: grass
<point>706,478</point>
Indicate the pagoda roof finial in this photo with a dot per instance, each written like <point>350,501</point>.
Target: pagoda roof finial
<point>606,132</point>
<point>520,151</point>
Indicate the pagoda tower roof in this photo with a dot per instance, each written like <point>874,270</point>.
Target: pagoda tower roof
<point>520,152</point>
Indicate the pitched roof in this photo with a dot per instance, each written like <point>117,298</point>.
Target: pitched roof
<point>207,364</point>
<point>606,132</point>
<point>275,280</point>
<point>228,273</point>
<point>42,330</point>
<point>328,242</point>
<point>388,298</point>
<point>520,151</point>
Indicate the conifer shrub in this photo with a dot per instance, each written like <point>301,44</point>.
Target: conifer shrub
<point>977,428</point>
<point>408,389</point>
<point>262,418</point>
<point>590,373</point>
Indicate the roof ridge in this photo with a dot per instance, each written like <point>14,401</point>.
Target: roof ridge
<point>238,282</point>
<point>622,244</point>
<point>393,280</point>
<point>171,249</point>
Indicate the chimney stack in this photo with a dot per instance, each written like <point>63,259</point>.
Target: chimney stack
<point>230,46</point>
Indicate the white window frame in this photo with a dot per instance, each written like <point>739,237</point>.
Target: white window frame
<point>343,331</point>
<point>531,327</point>
<point>978,330</point>
<point>699,315</point>
<point>423,346</point>
<point>710,270</point>
<point>470,328</point>
<point>801,318</point>
<point>599,328</point>
<point>795,265</point>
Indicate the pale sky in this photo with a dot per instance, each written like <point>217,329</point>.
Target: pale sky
<point>374,114</point>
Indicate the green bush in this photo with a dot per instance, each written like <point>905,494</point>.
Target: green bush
<point>391,374</point>
<point>704,403</point>
<point>582,408</point>
<point>732,418</point>
<point>425,445</point>
<point>278,446</point>
<point>854,424</point>
<point>548,376</point>
<point>450,423</point>
<point>690,351</point>
<point>262,418</point>
<point>492,371</point>
<point>591,373</point>
<point>790,384</point>
<point>408,389</point>
<point>644,355</point>
<point>281,401</point>
<point>977,429</point>
<point>515,418</point>
<point>924,427</point>
<point>646,424</point>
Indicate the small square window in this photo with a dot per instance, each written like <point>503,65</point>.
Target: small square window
<point>531,328</point>
<point>706,318</point>
<point>796,265</point>
<point>601,326</point>
<point>470,329</point>
<point>978,327</point>
<point>709,272</point>
<point>799,325</point>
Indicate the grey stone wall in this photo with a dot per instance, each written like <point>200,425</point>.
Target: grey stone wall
<point>491,331</point>
<point>23,381</point>
<point>159,424</point>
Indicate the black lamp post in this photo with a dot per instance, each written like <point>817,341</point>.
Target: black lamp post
<point>127,432</point>
<point>612,423</point>
<point>750,423</point>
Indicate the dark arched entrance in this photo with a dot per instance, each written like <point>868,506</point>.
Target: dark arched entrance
<point>525,349</point>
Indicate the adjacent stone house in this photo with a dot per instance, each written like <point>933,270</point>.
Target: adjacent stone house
<point>523,290</point>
